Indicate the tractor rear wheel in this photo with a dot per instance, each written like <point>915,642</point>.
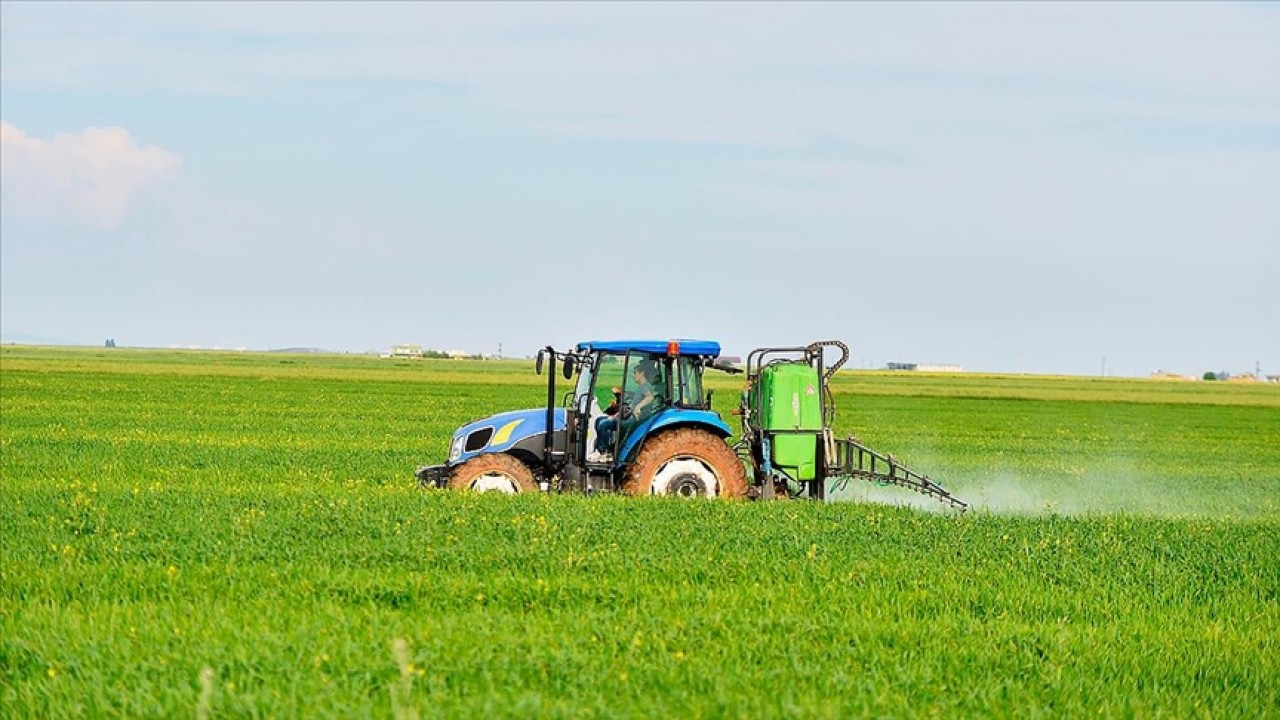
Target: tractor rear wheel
<point>686,462</point>
<point>493,472</point>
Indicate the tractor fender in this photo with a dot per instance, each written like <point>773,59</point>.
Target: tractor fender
<point>701,419</point>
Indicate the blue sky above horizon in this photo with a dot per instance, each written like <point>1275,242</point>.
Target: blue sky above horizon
<point>1009,187</point>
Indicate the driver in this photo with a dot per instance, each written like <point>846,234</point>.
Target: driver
<point>641,402</point>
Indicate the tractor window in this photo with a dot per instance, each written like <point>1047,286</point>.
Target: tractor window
<point>688,392</point>
<point>586,373</point>
<point>608,376</point>
<point>645,392</point>
<point>646,385</point>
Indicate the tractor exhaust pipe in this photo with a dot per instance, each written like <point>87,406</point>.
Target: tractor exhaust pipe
<point>548,442</point>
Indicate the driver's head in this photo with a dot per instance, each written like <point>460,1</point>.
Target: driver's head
<point>643,371</point>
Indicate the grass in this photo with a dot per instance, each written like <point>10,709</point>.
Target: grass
<point>238,535</point>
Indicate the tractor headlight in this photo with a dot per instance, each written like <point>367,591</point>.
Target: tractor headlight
<point>455,449</point>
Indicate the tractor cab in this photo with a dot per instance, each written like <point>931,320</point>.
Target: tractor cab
<point>627,389</point>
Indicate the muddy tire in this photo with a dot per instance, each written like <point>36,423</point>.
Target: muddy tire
<point>493,472</point>
<point>688,463</point>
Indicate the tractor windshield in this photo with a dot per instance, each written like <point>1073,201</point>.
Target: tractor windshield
<point>586,373</point>
<point>608,375</point>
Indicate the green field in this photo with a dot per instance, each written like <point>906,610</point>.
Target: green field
<point>239,535</point>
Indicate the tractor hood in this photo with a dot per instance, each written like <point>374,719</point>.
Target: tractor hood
<point>499,432</point>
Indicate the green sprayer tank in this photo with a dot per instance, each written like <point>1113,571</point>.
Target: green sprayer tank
<point>788,400</point>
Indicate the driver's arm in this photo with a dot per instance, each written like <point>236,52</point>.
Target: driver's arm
<point>644,403</point>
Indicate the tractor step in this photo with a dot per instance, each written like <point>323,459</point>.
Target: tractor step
<point>852,459</point>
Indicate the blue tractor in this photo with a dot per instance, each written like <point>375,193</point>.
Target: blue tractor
<point>638,421</point>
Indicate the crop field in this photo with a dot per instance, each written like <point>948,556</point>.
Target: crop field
<point>210,534</point>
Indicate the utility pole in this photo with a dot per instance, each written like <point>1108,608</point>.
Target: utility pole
<point>1104,366</point>
<point>499,350</point>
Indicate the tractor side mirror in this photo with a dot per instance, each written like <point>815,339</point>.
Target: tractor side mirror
<point>537,365</point>
<point>568,367</point>
<point>725,366</point>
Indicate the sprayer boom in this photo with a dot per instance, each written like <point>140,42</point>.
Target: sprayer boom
<point>852,459</point>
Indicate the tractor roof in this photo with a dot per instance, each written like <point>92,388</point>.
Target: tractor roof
<point>700,348</point>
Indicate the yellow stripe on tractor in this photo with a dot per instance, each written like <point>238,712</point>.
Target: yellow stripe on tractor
<point>504,432</point>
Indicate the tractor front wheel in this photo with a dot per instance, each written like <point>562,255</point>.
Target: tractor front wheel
<point>493,472</point>
<point>686,463</point>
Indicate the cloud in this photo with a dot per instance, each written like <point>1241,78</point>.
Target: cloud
<point>93,177</point>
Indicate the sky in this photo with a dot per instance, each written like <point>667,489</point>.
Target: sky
<point>1071,188</point>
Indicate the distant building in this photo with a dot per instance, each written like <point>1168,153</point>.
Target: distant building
<point>939,368</point>
<point>1243,377</point>
<point>406,351</point>
<point>922,367</point>
<point>1163,375</point>
<point>458,354</point>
